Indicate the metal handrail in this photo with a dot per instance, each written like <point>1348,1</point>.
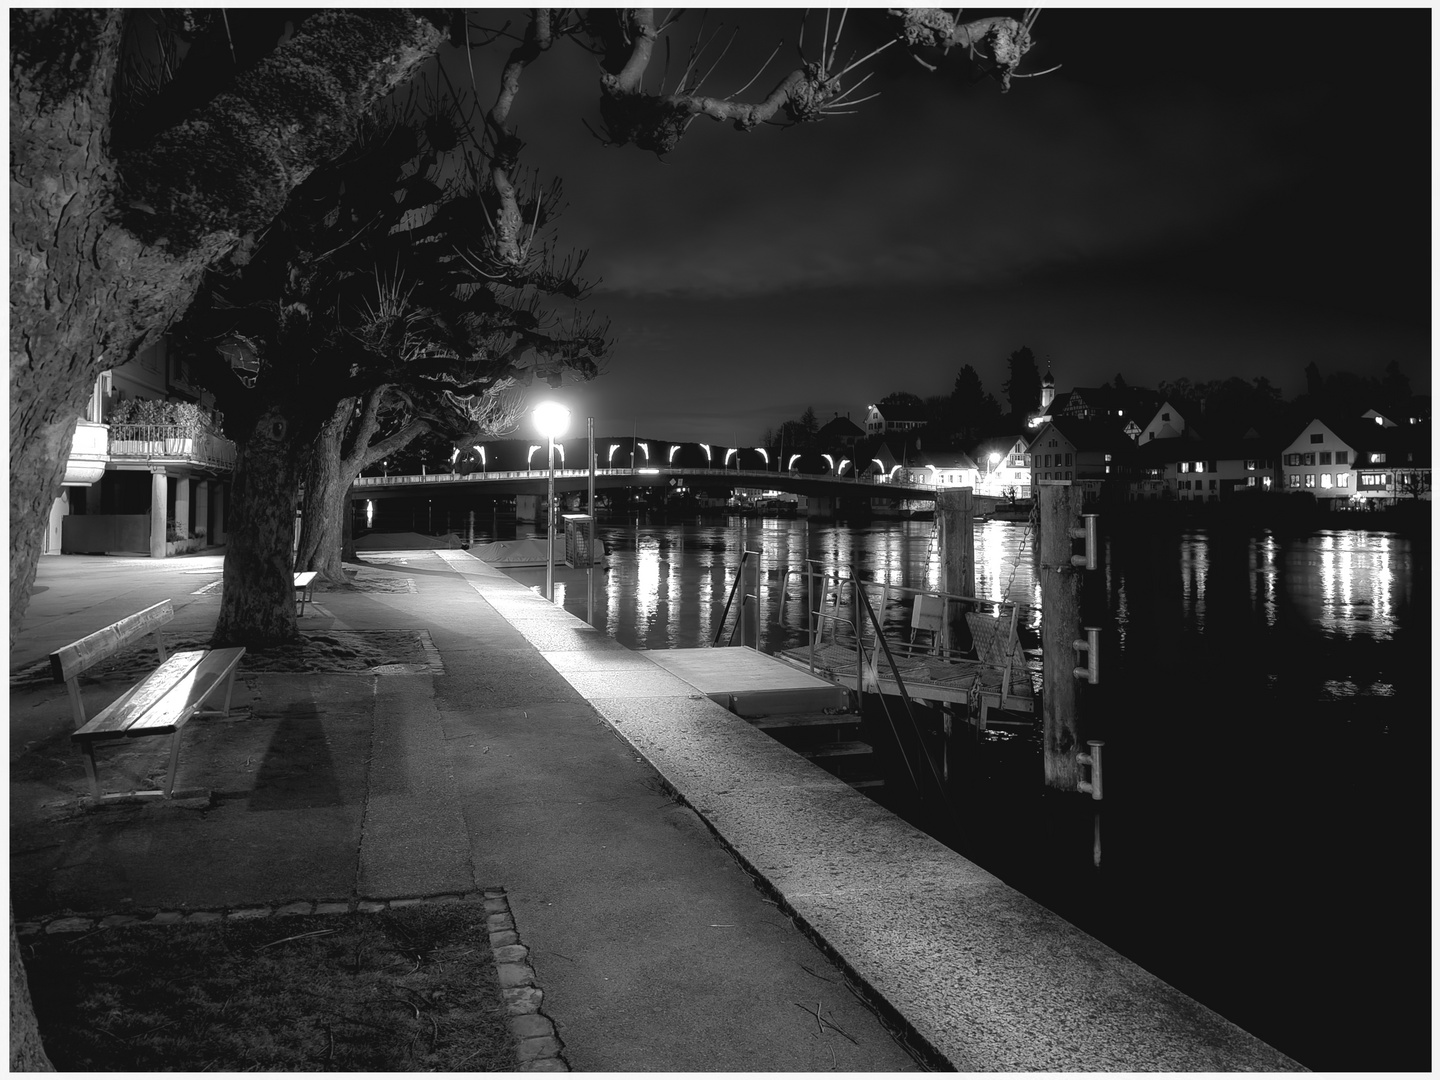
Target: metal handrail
<point>882,644</point>
<point>740,615</point>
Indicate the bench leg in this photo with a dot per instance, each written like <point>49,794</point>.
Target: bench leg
<point>87,750</point>
<point>174,760</point>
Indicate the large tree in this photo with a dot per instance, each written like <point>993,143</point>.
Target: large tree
<point>1022,388</point>
<point>381,272</point>
<point>135,164</point>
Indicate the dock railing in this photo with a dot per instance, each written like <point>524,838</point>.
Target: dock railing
<point>752,599</point>
<point>839,602</point>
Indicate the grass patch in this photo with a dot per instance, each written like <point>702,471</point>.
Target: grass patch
<point>406,989</point>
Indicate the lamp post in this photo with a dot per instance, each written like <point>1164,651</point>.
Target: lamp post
<point>550,420</point>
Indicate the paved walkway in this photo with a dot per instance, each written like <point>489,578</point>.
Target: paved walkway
<point>542,758</point>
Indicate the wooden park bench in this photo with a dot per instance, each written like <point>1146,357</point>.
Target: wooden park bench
<point>160,704</point>
<point>304,584</point>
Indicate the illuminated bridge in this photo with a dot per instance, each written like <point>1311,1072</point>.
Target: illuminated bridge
<point>535,481</point>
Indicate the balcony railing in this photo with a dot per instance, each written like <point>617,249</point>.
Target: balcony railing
<point>171,442</point>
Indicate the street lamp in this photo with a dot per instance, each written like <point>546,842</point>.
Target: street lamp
<point>791,465</point>
<point>550,420</point>
<point>764,454</point>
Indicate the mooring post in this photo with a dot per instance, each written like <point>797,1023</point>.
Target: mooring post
<point>1059,627</point>
<point>955,514</point>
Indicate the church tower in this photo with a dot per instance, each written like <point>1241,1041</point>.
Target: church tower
<point>1047,388</point>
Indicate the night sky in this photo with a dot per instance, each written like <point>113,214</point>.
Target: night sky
<point>1199,193</point>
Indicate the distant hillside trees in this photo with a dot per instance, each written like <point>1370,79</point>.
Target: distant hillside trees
<point>1022,388</point>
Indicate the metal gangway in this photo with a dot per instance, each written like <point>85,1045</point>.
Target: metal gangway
<point>961,652</point>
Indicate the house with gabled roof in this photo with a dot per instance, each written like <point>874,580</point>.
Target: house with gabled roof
<point>1065,448</point>
<point>1167,423</point>
<point>1207,469</point>
<point>1364,459</point>
<point>839,432</point>
<point>943,468</point>
<point>1004,466</point>
<point>897,416</point>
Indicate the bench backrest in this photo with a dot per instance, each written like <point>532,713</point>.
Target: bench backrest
<point>79,656</point>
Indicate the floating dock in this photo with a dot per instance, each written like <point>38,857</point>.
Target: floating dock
<point>749,683</point>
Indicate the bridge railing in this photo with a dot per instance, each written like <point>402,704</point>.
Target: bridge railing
<point>777,478</point>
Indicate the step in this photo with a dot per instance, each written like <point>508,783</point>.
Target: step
<point>853,748</point>
<point>784,721</point>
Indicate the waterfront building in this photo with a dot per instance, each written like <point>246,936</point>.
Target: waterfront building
<point>944,469</point>
<point>1206,470</point>
<point>149,469</point>
<point>1088,452</point>
<point>1004,467</point>
<point>1365,460</point>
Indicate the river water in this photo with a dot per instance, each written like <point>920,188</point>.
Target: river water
<point>1265,702</point>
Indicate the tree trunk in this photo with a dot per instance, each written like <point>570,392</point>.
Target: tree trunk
<point>326,485</point>
<point>325,539</point>
<point>257,608</point>
<point>27,1054</point>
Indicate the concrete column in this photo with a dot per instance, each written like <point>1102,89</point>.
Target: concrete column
<point>58,509</point>
<point>182,503</point>
<point>202,508</point>
<point>821,507</point>
<point>158,488</point>
<point>527,507</point>
<point>218,536</point>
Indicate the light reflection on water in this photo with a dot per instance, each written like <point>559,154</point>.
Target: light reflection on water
<point>668,582</point>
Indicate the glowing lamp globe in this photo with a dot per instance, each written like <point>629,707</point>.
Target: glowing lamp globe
<point>551,419</point>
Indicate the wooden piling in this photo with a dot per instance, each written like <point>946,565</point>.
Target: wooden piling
<point>1059,629</point>
<point>955,516</point>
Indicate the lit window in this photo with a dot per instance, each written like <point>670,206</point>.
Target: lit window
<point>1107,456</point>
<point>1342,480</point>
<point>1249,481</point>
<point>1266,483</point>
<point>1184,466</point>
<point>1310,480</point>
<point>1294,479</point>
<point>1250,465</point>
<point>1326,480</point>
<point>1377,459</point>
<point>1199,466</point>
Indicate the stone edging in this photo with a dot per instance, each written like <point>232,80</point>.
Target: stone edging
<point>537,1046</point>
